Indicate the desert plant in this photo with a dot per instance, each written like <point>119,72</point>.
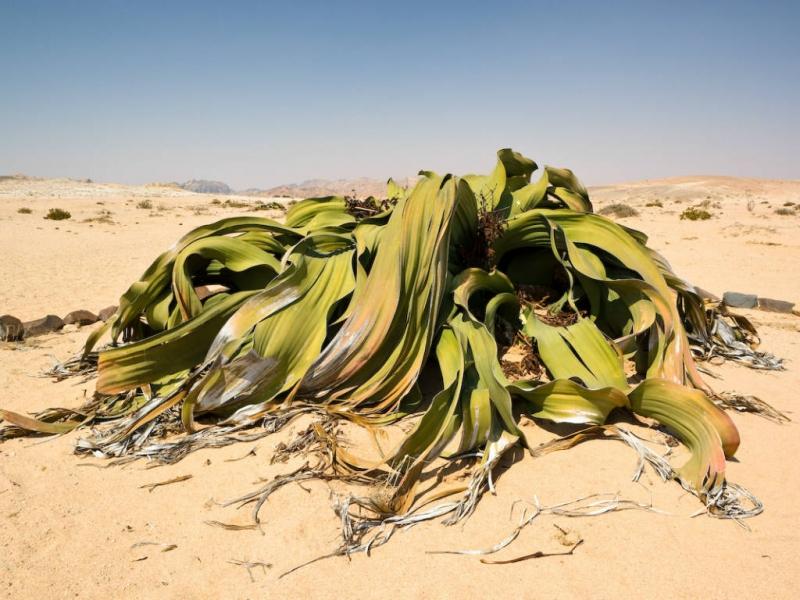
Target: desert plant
<point>145,204</point>
<point>618,210</point>
<point>785,211</point>
<point>236,204</point>
<point>695,214</point>
<point>24,210</point>
<point>270,206</point>
<point>104,217</point>
<point>655,203</point>
<point>367,312</point>
<point>57,214</point>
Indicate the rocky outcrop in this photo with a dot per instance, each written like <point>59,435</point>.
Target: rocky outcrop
<point>47,324</point>
<point>779,306</point>
<point>739,300</point>
<point>81,318</point>
<point>107,313</point>
<point>11,329</point>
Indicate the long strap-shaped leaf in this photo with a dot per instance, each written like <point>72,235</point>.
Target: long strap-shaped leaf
<point>233,253</point>
<point>579,350</point>
<point>377,354</point>
<point>156,277</point>
<point>290,339</point>
<point>671,357</point>
<point>564,401</point>
<point>315,214</point>
<point>171,351</point>
<point>705,429</point>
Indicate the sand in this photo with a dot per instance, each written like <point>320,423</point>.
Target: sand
<point>68,527</point>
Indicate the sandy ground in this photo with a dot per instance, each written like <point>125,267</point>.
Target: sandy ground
<point>68,528</point>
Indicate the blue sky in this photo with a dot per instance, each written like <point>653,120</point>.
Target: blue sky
<point>263,93</point>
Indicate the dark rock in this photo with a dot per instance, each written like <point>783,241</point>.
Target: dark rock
<point>81,318</point>
<point>779,306</point>
<point>107,313</point>
<point>47,324</point>
<point>11,329</point>
<point>737,300</point>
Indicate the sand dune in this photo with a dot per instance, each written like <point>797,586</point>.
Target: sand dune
<point>69,528</point>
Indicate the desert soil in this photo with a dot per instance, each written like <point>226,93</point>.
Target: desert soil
<point>69,528</point>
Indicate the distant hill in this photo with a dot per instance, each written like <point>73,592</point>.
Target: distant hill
<point>204,186</point>
<point>361,187</point>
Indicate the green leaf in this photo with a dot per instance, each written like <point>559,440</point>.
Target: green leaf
<point>708,432</point>
<point>489,189</point>
<point>564,401</point>
<point>579,350</point>
<point>130,366</point>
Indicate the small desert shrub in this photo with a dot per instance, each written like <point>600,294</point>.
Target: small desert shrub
<point>785,211</point>
<point>695,214</point>
<point>657,203</point>
<point>707,203</point>
<point>216,201</point>
<point>24,211</point>
<point>103,216</point>
<point>146,204</point>
<point>619,210</point>
<point>57,214</point>
<point>788,203</point>
<point>236,204</point>
<point>270,206</point>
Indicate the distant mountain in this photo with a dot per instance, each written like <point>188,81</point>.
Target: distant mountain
<point>204,186</point>
<point>361,187</point>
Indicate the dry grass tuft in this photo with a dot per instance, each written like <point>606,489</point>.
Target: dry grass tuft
<point>619,211</point>
<point>103,216</point>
